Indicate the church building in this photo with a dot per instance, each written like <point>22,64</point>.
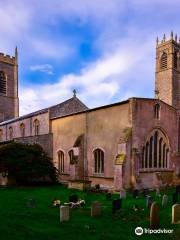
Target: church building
<point>130,144</point>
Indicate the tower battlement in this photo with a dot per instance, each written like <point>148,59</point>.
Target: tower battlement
<point>8,59</point>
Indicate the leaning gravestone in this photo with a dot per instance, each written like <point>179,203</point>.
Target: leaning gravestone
<point>175,198</point>
<point>73,198</point>
<point>149,201</point>
<point>116,205</point>
<point>96,209</point>
<point>176,213</point>
<point>64,213</point>
<point>155,216</point>
<point>122,194</point>
<point>164,200</point>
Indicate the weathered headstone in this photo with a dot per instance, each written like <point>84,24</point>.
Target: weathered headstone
<point>155,216</point>
<point>96,209</point>
<point>135,193</point>
<point>31,203</point>
<point>149,201</point>
<point>158,194</point>
<point>108,196</point>
<point>73,198</point>
<point>122,194</point>
<point>116,205</point>
<point>178,188</point>
<point>164,200</point>
<point>175,198</point>
<point>176,213</point>
<point>64,213</point>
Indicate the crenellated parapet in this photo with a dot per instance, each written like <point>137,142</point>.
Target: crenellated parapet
<point>9,59</point>
<point>173,38</point>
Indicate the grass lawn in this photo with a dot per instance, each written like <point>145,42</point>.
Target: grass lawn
<point>18,222</point>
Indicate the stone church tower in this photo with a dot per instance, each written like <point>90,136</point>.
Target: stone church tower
<point>9,102</point>
<point>167,82</point>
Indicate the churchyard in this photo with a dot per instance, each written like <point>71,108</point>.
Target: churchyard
<point>28,213</point>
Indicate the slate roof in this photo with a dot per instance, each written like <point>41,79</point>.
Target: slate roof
<point>70,106</point>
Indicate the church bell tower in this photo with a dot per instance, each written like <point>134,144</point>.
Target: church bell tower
<point>167,82</point>
<point>9,102</point>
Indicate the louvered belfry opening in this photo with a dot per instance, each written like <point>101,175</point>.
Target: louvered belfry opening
<point>3,85</point>
<point>163,63</point>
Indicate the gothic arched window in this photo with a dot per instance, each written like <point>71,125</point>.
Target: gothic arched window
<point>175,59</point>
<point>36,127</point>
<point>98,161</point>
<point>22,129</point>
<point>61,161</point>
<point>155,152</point>
<point>163,61</point>
<point>157,111</point>
<point>10,133</point>
<point>3,83</point>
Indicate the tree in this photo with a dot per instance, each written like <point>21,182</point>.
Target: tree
<point>27,163</point>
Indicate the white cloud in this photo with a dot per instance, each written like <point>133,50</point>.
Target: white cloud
<point>45,68</point>
<point>97,83</point>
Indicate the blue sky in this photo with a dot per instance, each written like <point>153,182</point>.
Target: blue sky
<point>105,49</point>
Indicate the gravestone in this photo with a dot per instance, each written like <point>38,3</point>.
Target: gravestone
<point>158,194</point>
<point>164,200</point>
<point>135,193</point>
<point>116,205</point>
<point>178,188</point>
<point>176,213</point>
<point>108,196</point>
<point>96,209</point>
<point>175,198</point>
<point>64,213</point>
<point>31,203</point>
<point>122,194</point>
<point>73,198</point>
<point>149,201</point>
<point>145,192</point>
<point>97,187</point>
<point>155,216</point>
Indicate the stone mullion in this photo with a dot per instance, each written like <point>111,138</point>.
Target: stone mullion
<point>158,138</point>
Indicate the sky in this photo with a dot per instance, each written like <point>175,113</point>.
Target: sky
<point>105,49</point>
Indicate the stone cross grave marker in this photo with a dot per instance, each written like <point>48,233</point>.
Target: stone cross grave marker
<point>122,194</point>
<point>155,216</point>
<point>176,213</point>
<point>64,213</point>
<point>116,205</point>
<point>165,200</point>
<point>96,209</point>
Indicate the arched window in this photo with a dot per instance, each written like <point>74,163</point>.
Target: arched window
<point>155,153</point>
<point>98,161</point>
<point>175,59</point>
<point>3,83</point>
<point>163,61</point>
<point>61,161</point>
<point>1,135</point>
<point>10,133</point>
<point>22,129</point>
<point>36,127</point>
<point>157,111</point>
<point>71,156</point>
